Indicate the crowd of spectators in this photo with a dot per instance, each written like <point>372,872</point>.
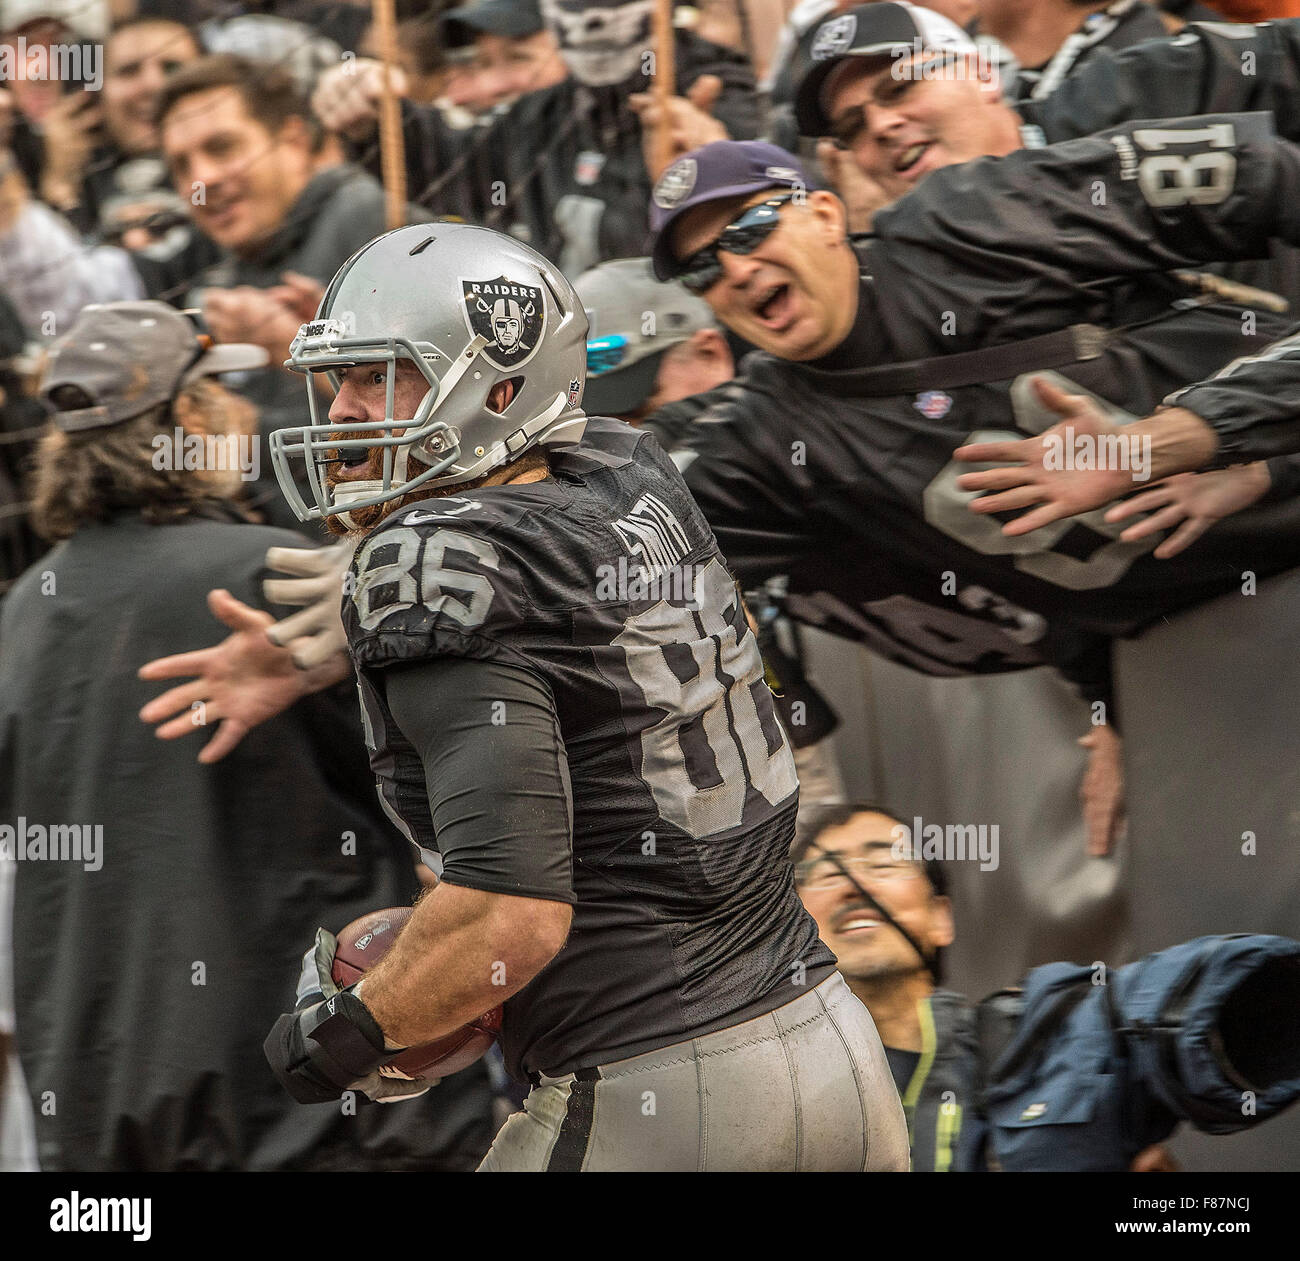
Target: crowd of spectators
<point>225,160</point>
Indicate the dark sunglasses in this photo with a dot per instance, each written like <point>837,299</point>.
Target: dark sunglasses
<point>742,235</point>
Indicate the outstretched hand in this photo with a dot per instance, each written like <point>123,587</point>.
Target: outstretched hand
<point>1043,475</point>
<point>347,98</point>
<point>1193,502</point>
<point>239,683</point>
<point>316,634</point>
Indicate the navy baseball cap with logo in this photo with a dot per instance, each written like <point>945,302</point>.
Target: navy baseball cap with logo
<point>871,30</point>
<point>714,172</point>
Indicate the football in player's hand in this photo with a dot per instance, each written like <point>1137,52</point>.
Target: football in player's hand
<point>367,940</point>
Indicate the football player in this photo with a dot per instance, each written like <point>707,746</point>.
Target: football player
<point>567,716</point>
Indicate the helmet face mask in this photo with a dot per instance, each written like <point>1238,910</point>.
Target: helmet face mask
<point>538,343</point>
<point>323,442</point>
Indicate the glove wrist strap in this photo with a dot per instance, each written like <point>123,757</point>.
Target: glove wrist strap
<point>343,1039</point>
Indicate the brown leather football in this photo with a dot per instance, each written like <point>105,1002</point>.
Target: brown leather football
<point>367,940</point>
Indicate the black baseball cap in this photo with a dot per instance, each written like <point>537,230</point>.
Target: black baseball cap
<point>714,172</point>
<point>871,30</point>
<point>514,19</point>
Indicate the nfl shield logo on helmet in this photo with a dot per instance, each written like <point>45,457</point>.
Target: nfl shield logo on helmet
<point>934,404</point>
<point>834,37</point>
<point>510,315</point>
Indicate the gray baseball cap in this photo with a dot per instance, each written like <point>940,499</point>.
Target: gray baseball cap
<point>634,319</point>
<point>131,356</point>
<point>87,19</point>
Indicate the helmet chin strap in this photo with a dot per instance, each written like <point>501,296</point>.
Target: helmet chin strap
<point>543,424</point>
<point>360,490</point>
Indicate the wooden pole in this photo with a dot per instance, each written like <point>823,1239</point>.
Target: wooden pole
<point>665,81</point>
<point>392,147</point>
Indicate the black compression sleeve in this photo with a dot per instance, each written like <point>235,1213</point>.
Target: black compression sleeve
<point>497,773</point>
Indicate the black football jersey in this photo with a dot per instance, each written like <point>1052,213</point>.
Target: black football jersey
<point>1253,405</point>
<point>1121,24</point>
<point>605,581</point>
<point>1210,67</point>
<point>1207,68</point>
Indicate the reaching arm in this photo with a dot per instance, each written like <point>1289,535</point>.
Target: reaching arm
<point>1208,68</point>
<point>238,684</point>
<point>314,636</point>
<point>1252,406</point>
<point>500,803</point>
<point>264,666</point>
<point>1247,413</point>
<point>1147,197</point>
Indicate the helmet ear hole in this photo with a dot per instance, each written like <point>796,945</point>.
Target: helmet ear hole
<point>500,397</point>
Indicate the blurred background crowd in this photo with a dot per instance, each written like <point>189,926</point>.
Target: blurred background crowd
<point>226,158</point>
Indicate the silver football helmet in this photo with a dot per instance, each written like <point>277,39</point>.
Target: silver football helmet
<point>470,308</point>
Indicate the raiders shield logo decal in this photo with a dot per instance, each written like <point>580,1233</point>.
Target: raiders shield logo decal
<point>834,37</point>
<point>511,316</point>
<point>675,184</point>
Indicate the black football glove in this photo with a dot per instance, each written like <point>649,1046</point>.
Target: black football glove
<point>331,1033</point>
<point>319,1051</point>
